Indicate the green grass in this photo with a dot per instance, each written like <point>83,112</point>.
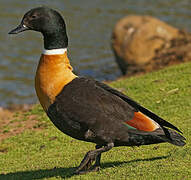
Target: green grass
<point>49,154</point>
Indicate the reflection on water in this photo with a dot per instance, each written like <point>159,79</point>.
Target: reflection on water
<point>89,25</point>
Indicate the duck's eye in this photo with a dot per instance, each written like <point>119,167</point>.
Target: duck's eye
<point>33,16</point>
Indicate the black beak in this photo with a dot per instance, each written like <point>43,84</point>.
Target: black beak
<point>19,29</point>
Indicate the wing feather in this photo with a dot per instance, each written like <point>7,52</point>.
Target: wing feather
<point>137,106</point>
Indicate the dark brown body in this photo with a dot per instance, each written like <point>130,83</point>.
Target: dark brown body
<point>87,111</point>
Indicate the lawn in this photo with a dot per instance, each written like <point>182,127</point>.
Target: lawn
<point>49,154</point>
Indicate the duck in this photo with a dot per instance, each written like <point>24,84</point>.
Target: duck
<point>84,108</point>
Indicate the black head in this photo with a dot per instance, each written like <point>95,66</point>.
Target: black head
<point>47,21</point>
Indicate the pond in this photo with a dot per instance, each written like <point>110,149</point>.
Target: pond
<point>89,27</point>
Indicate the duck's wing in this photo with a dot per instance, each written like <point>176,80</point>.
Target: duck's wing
<point>138,107</point>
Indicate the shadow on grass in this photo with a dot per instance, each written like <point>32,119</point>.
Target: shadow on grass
<point>64,172</point>
<point>118,163</point>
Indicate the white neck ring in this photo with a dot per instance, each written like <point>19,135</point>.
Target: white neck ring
<point>54,51</point>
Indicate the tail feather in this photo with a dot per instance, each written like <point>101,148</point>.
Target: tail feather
<point>158,136</point>
<point>174,138</point>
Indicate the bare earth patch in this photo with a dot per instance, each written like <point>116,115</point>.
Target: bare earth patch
<point>14,121</point>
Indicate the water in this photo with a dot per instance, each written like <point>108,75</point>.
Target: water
<point>89,26</point>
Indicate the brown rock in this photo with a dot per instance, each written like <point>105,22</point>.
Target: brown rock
<point>136,39</point>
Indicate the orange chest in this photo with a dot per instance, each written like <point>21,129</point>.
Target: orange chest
<point>53,73</point>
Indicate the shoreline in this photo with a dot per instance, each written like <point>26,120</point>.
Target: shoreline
<point>16,107</point>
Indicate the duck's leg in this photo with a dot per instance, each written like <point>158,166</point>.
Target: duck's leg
<point>94,155</point>
<point>96,166</point>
